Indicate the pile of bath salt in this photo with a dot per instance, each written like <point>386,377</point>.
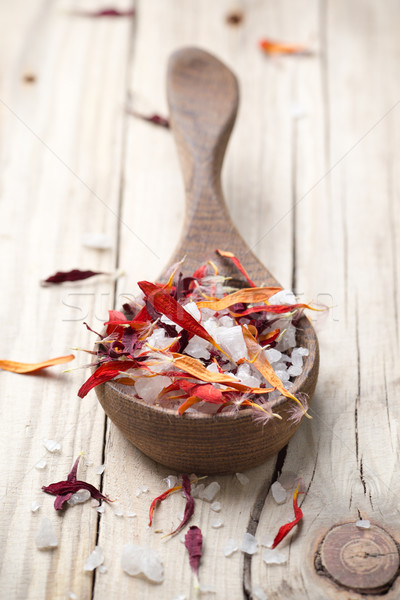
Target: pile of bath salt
<point>194,344</point>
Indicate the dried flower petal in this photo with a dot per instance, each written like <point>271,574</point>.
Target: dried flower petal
<point>247,295</point>
<point>104,12</point>
<point>284,530</point>
<point>19,367</point>
<point>63,490</point>
<point>273,48</point>
<point>189,508</point>
<point>194,543</point>
<point>237,264</point>
<point>154,118</point>
<point>74,275</point>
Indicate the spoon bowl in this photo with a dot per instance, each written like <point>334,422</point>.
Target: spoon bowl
<point>203,99</point>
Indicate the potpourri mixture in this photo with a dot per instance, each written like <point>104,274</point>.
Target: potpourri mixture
<point>196,344</point>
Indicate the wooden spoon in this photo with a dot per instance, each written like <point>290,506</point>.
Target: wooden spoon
<point>203,99</point>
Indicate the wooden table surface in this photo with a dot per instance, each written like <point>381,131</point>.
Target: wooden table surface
<point>312,182</point>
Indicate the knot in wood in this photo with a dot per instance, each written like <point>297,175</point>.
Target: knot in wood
<point>364,560</point>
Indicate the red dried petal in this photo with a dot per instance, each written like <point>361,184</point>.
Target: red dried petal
<point>237,264</point>
<point>74,275</point>
<point>194,544</point>
<point>284,530</point>
<point>105,12</point>
<point>189,508</point>
<point>155,119</point>
<point>159,499</point>
<point>105,372</point>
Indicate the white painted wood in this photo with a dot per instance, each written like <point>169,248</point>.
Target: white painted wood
<point>318,132</point>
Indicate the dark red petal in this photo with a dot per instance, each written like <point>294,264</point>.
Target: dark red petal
<point>60,500</point>
<point>105,12</point>
<point>189,508</point>
<point>105,372</point>
<point>194,543</point>
<point>74,470</point>
<point>74,275</point>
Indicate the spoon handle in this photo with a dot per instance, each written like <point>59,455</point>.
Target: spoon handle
<point>203,98</point>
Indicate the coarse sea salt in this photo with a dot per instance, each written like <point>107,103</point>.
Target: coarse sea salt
<point>243,479</point>
<point>230,547</point>
<point>278,492</point>
<point>100,469</point>
<point>131,514</point>
<point>210,491</point>
<point>216,506</point>
<point>273,557</point>
<point>94,560</point>
<point>267,540</point>
<point>249,544</point>
<point>142,560</point>
<point>259,593</point>
<point>363,524</point>
<point>51,445</point>
<point>79,497</point>
<point>100,509</point>
<point>97,241</point>
<point>148,388</point>
<point>170,481</point>
<point>191,308</point>
<point>35,506</point>
<point>41,464</point>
<point>142,490</point>
<point>46,538</point>
<point>232,341</point>
<point>217,523</point>
<point>102,569</point>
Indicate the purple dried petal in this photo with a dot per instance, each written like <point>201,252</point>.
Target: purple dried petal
<point>105,12</point>
<point>194,544</point>
<point>189,508</point>
<point>74,275</point>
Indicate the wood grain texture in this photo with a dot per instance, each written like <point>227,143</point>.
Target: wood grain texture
<point>311,181</point>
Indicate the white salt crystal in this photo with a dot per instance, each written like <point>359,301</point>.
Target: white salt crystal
<point>273,557</point>
<point>102,569</point>
<point>294,371</point>
<point>211,326</point>
<point>180,597</point>
<point>278,492</point>
<point>72,596</point>
<point>249,544</point>
<point>148,388</point>
<point>137,560</point>
<point>226,321</point>
<point>197,490</point>
<point>267,540</point>
<point>230,547</point>
<point>142,490</point>
<point>79,497</point>
<point>100,469</point>
<point>35,506</point>
<point>273,355</point>
<point>45,537</point>
<point>118,512</point>
<point>217,523</point>
<point>243,479</point>
<point>206,588</point>
<point>282,374</point>
<point>283,297</point>
<point>94,560</point>
<point>157,339</point>
<point>259,593</point>
<point>51,445</point>
<point>303,351</point>
<point>210,491</point>
<point>298,111</point>
<point>198,348</point>
<point>100,509</point>
<point>244,375</point>
<point>98,241</point>
<point>167,321</point>
<point>170,481</point>
<point>41,464</point>
<point>130,514</point>
<point>216,506</point>
<point>191,308</point>
<point>88,463</point>
<point>213,368</point>
<point>232,341</point>
<point>363,524</point>
<point>288,339</point>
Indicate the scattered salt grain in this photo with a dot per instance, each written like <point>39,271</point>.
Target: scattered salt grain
<point>230,547</point>
<point>232,341</point>
<point>282,374</point>
<point>41,464</point>
<point>273,557</point>
<point>288,339</point>
<point>45,537</point>
<point>363,524</point>
<point>79,497</point>
<point>206,588</point>
<point>213,368</point>
<point>249,544</point>
<point>243,479</point>
<point>100,509</point>
<point>148,388</point>
<point>94,560</point>
<point>217,523</point>
<point>100,469</point>
<point>142,490</point>
<point>72,596</point>
<point>245,376</point>
<point>267,540</point>
<point>191,308</point>
<point>210,491</point>
<point>259,593</point>
<point>180,597</point>
<point>303,351</point>
<point>273,355</point>
<point>197,490</point>
<point>88,463</point>
<point>141,560</point>
<point>216,506</point>
<point>102,569</point>
<point>118,512</point>
<point>97,241</point>
<point>226,321</point>
<point>51,445</point>
<point>198,348</point>
<point>130,514</point>
<point>283,297</point>
<point>278,492</point>
<point>170,481</point>
<point>35,506</point>
<point>294,371</point>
